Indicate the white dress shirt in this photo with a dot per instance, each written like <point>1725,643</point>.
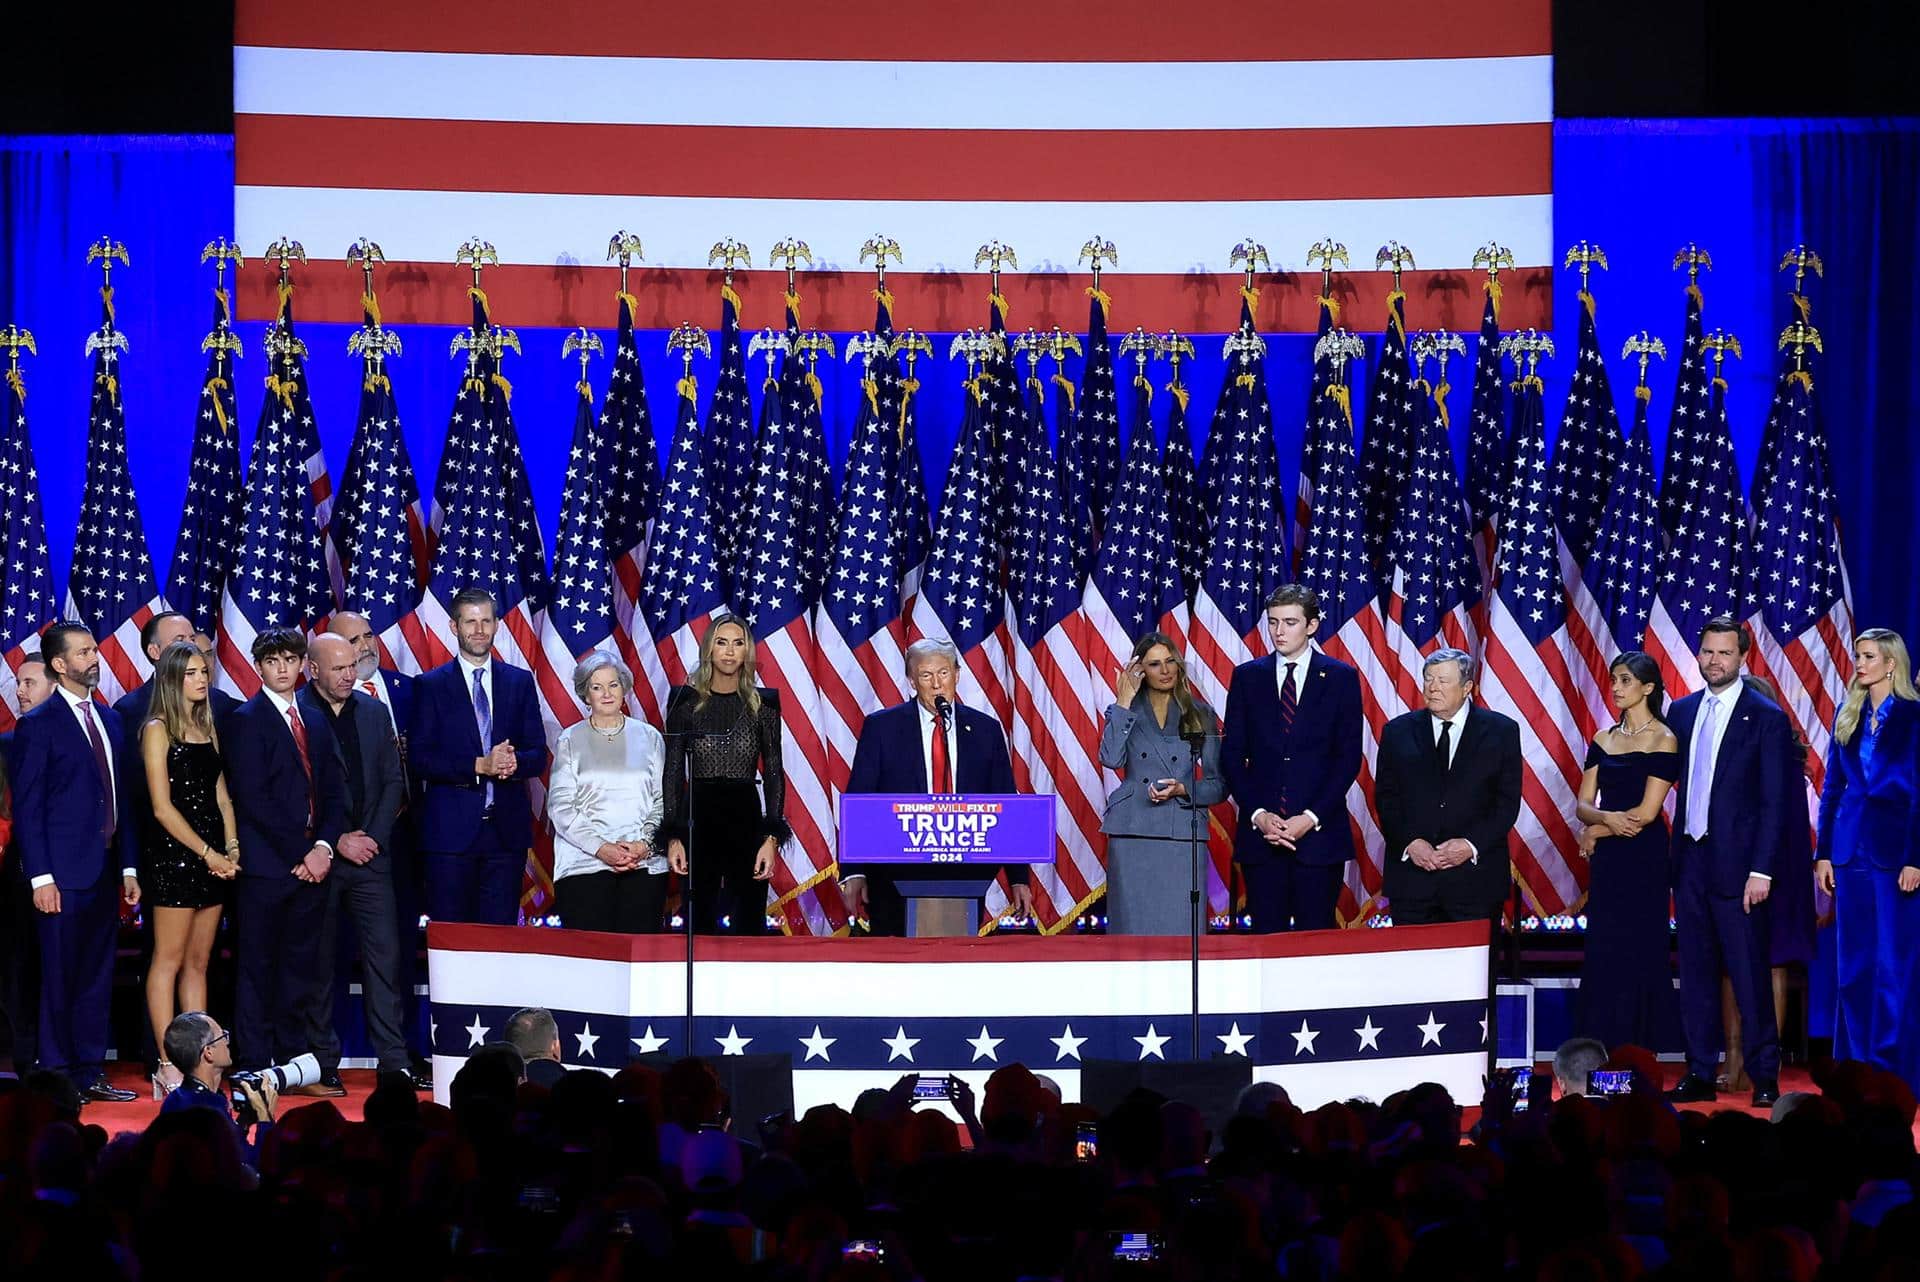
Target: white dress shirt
<point>927,722</point>
<point>1724,704</point>
<point>375,688</point>
<point>1302,664</point>
<point>83,709</point>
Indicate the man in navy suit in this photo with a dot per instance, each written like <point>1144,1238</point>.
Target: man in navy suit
<point>1290,751</point>
<point>929,744</point>
<point>474,741</point>
<point>19,950</point>
<point>161,631</point>
<point>1733,780</point>
<point>288,786</point>
<point>73,825</point>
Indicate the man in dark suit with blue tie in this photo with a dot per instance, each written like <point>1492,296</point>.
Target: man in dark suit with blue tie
<point>74,828</point>
<point>1290,752</point>
<point>1733,780</point>
<point>288,786</point>
<point>929,744</point>
<point>476,739</point>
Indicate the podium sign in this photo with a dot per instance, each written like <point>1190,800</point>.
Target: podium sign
<point>946,828</point>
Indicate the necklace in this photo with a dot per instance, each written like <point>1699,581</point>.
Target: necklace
<point>614,733</point>
<point>1622,728</point>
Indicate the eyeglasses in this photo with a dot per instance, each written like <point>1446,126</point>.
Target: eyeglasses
<point>215,1041</point>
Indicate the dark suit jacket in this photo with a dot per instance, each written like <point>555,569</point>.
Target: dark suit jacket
<point>269,786</point>
<point>59,807</point>
<point>1478,798</point>
<point>889,758</point>
<point>1873,812</point>
<point>382,786</point>
<point>1750,783</point>
<point>1317,763</point>
<point>443,741</point>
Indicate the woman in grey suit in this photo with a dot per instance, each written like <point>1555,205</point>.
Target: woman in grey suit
<point>1151,731</point>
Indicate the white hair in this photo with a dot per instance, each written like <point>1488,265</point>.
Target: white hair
<point>1461,657</point>
<point>594,661</point>
<point>927,647</point>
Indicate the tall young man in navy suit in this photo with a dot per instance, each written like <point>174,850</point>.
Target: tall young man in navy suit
<point>289,793</point>
<point>1733,780</point>
<point>1290,752</point>
<point>73,825</point>
<point>19,947</point>
<point>475,740</point>
<point>929,744</point>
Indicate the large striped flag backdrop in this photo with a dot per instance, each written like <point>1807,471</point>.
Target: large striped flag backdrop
<point>208,543</point>
<point>26,582</point>
<point>684,127</point>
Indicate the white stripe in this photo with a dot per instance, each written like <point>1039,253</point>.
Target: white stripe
<point>1522,667</point>
<point>1673,652</point>
<point>1594,688</point>
<point>238,629</point>
<point>1311,1085</point>
<point>1159,236</point>
<point>789,94</point>
<point>433,621</point>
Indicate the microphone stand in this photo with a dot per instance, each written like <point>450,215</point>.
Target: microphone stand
<point>1195,911</point>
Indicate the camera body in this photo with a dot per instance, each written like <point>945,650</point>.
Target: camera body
<point>301,1070</point>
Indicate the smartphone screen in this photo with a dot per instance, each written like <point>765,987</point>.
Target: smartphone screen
<point>1086,1141</point>
<point>932,1088</point>
<point>1610,1081</point>
<point>1137,1248</point>
<point>864,1248</point>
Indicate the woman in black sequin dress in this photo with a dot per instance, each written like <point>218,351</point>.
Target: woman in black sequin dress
<point>189,847</point>
<point>735,836</point>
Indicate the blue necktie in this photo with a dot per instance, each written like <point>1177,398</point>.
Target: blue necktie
<point>1700,778</point>
<point>483,717</point>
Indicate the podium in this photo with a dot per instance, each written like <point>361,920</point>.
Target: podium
<point>930,839</point>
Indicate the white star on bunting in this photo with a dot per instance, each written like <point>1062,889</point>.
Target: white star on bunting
<point>1152,1043</point>
<point>900,1046</point>
<point>817,1045</point>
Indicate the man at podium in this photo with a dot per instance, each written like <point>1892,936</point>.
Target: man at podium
<point>930,744</point>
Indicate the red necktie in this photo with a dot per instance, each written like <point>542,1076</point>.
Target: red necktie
<point>299,729</point>
<point>942,767</point>
<point>100,764</point>
<point>371,688</point>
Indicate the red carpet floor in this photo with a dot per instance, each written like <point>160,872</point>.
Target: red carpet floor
<point>359,1083</point>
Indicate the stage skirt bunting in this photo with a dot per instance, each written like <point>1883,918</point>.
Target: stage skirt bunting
<point>1328,1014</point>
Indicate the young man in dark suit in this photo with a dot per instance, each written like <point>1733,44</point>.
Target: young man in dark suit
<point>1733,780</point>
<point>475,740</point>
<point>1290,753</point>
<point>1447,792</point>
<point>289,800</point>
<point>929,744</point>
<point>73,826</point>
<point>19,947</point>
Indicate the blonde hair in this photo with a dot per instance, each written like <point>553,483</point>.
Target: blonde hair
<point>1847,720</point>
<point>702,679</point>
<point>170,707</point>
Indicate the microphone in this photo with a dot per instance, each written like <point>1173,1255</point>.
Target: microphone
<point>941,708</point>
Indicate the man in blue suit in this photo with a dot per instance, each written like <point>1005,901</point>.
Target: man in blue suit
<point>474,741</point>
<point>929,744</point>
<point>19,949</point>
<point>1290,751</point>
<point>1733,780</point>
<point>288,785</point>
<point>74,827</point>
<point>159,632</point>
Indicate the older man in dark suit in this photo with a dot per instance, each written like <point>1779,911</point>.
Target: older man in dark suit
<point>1733,780</point>
<point>1447,789</point>
<point>1290,752</point>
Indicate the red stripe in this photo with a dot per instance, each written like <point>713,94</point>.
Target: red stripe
<point>742,162</point>
<point>1527,701</point>
<point>114,655</point>
<point>991,31</point>
<point>238,667</point>
<point>534,296</point>
<point>428,650</point>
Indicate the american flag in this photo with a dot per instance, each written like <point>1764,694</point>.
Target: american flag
<point>1691,446</point>
<point>1054,736</point>
<point>1393,117</point>
<point>1351,627</point>
<point>281,579</point>
<point>628,463</point>
<point>1433,583</point>
<point>579,618</point>
<point>1706,554</point>
<point>303,438</point>
<point>1585,458</point>
<point>860,632</point>
<point>1386,455</point>
<point>380,524</point>
<point>1246,560</point>
<point>1528,672</point>
<point>26,581</point>
<point>787,525</point>
<point>730,436</point>
<point>912,523</point>
<point>111,588</point>
<point>1803,634</point>
<point>1186,508</point>
<point>1311,444</point>
<point>208,544</point>
<point>1624,567</point>
<point>1488,463</point>
<point>1090,450</point>
<point>684,587</point>
<point>1001,384</point>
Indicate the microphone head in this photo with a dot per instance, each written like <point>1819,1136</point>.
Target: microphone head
<point>940,705</point>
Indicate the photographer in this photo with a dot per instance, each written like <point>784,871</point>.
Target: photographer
<point>197,1046</point>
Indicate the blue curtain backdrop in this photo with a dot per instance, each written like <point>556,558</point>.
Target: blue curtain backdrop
<point>1746,190</point>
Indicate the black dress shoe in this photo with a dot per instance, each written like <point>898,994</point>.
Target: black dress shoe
<point>1693,1090</point>
<point>421,1081</point>
<point>1765,1094</point>
<point>101,1093</point>
<point>328,1087</point>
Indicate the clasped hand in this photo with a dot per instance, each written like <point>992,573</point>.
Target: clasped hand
<point>623,856</point>
<point>1450,853</point>
<point>500,763</point>
<point>1282,832</point>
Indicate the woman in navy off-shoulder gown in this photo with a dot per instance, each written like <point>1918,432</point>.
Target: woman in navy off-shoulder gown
<point>1626,981</point>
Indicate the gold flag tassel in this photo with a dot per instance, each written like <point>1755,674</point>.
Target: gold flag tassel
<point>793,305</point>
<point>872,389</point>
<point>976,386</point>
<point>1251,297</point>
<point>1537,384</point>
<point>479,296</point>
<point>1440,400</point>
<point>1394,318</point>
<point>1332,304</point>
<point>884,297</point>
<point>286,294</point>
<point>1141,380</point>
<point>999,301</point>
<point>18,384</point>
<point>1039,388</point>
<point>1586,300</point>
<point>688,387</point>
<point>371,306</point>
<point>1066,389</point>
<point>1803,305</point>
<point>1693,292</point>
<point>217,385</point>
<point>1494,290</point>
<point>1179,394</point>
<point>1643,393</point>
<point>500,381</point>
<point>1343,396</point>
<point>376,383</point>
<point>633,304</point>
<point>1800,376</point>
<point>813,385</point>
<point>284,388</point>
<point>1105,300</point>
<point>727,292</point>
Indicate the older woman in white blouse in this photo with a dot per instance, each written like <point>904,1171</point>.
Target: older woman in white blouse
<point>604,802</point>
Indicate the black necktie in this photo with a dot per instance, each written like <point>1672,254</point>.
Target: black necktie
<point>1443,751</point>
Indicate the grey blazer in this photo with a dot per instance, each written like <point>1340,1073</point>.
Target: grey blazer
<point>383,781</point>
<point>1133,742</point>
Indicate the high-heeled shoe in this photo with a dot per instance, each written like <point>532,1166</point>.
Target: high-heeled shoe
<point>166,1081</point>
